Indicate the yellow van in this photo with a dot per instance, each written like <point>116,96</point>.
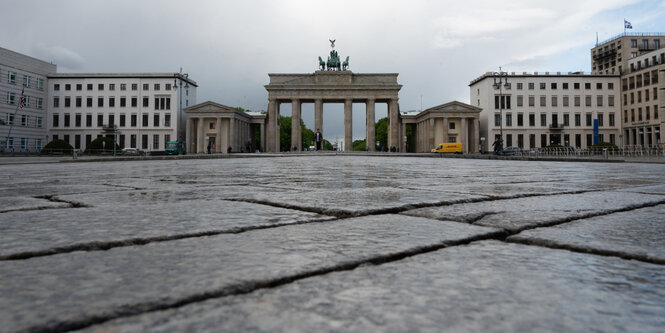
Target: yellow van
<point>450,147</point>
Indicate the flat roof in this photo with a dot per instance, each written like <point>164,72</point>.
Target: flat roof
<point>122,76</point>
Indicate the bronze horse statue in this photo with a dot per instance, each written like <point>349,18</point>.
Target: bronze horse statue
<point>322,64</point>
<point>345,64</point>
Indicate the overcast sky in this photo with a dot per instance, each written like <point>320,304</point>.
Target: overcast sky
<point>229,47</point>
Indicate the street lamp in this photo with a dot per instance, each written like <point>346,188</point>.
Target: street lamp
<point>500,81</point>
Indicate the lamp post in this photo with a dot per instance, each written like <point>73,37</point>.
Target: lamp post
<point>500,81</point>
<point>178,79</point>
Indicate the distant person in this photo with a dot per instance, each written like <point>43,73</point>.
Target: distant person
<point>318,137</point>
<point>209,146</point>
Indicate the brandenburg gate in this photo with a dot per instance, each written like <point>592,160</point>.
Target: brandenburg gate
<point>334,85</point>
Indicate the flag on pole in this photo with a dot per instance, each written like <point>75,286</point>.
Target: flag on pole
<point>21,101</point>
<point>627,25</point>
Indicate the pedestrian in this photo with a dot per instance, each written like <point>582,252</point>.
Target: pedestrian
<point>318,138</point>
<point>209,146</point>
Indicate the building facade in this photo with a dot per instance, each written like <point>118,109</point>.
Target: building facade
<point>613,55</point>
<point>539,110</point>
<point>23,129</point>
<point>142,110</point>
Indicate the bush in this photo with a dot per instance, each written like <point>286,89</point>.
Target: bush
<point>602,145</point>
<point>57,146</point>
<point>97,146</point>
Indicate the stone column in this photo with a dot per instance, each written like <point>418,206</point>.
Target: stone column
<point>446,125</point>
<point>199,136</point>
<point>272,135</point>
<point>296,141</point>
<point>348,125</point>
<point>188,133</point>
<point>430,134</point>
<point>393,123</point>
<point>232,134</point>
<point>370,130</point>
<point>262,144</point>
<point>465,136</point>
<point>318,116</point>
<point>218,139</point>
<point>476,135</point>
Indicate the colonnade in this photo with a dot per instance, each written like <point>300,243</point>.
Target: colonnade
<point>227,132</point>
<point>643,135</point>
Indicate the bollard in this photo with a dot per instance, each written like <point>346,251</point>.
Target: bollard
<point>74,154</point>
<point>605,153</point>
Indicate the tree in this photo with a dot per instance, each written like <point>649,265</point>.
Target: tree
<point>359,145</point>
<point>57,145</point>
<point>307,136</point>
<point>381,129</point>
<point>326,145</point>
<point>97,146</point>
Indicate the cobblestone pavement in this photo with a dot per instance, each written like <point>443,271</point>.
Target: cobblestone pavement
<point>332,243</point>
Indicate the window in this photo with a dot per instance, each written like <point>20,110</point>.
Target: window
<point>639,114</point>
<point>146,86</point>
<point>520,120</point>
<point>24,143</point>
<point>40,85</point>
<point>11,78</point>
<point>543,101</point>
<point>543,140</point>
<point>543,120</point>
<point>553,86</point>
<point>451,125</point>
<point>26,80</point>
<point>532,119</point>
<point>211,125</point>
<point>100,120</point>
<point>100,102</point>
<point>66,120</point>
<point>505,102</point>
<point>133,120</point>
<point>576,85</point>
<point>155,120</point>
<point>134,102</point>
<point>578,120</point>
<point>38,144</point>
<point>509,119</point>
<point>167,121</point>
<point>56,87</point>
<point>610,100</point>
<point>122,120</point>
<point>145,120</point>
<point>56,120</point>
<point>68,102</point>
<point>155,141</point>
<point>612,121</point>
<point>123,102</point>
<point>111,102</point>
<point>599,100</point>
<point>40,103</point>
<point>633,43</point>
<point>156,86</point>
<point>601,118</point>
<point>587,85</point>
<point>79,87</point>
<point>123,86</point>
<point>56,102</point>
<point>520,100</point>
<point>77,120</point>
<point>11,98</point>
<point>38,123</point>
<point>88,102</point>
<point>168,87</point>
<point>565,85</point>
<point>599,85</point>
<point>542,85</point>
<point>497,119</point>
<point>79,101</point>
<point>646,95</point>
<point>519,85</point>
<point>587,100</point>
<point>25,120</point>
<point>566,119</point>
<point>68,87</point>
<point>88,120</point>
<point>565,100</point>
<point>588,120</point>
<point>88,139</point>
<point>145,102</point>
<point>554,101</point>
<point>656,44</point>
<point>100,87</point>
<point>135,86</point>
<point>111,86</point>
<point>111,120</point>
<point>144,141</point>
<point>531,85</point>
<point>532,100</point>
<point>89,87</point>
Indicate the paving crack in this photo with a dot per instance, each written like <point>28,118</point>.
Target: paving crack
<point>252,286</point>
<point>72,204</point>
<point>51,198</point>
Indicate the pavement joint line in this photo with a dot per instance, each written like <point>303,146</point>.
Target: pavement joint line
<point>52,198</point>
<point>108,245</point>
<point>252,286</point>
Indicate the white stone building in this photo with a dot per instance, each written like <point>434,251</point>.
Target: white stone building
<point>23,129</point>
<point>548,109</point>
<point>146,109</point>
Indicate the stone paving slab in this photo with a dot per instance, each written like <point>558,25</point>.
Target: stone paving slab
<point>650,189</point>
<point>487,286</point>
<point>25,203</point>
<point>64,230</point>
<point>517,214</point>
<point>638,234</point>
<point>74,288</point>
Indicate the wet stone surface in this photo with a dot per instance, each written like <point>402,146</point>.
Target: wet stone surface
<point>488,286</point>
<point>332,243</point>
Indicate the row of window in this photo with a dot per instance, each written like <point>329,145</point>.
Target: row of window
<point>504,101</point>
<point>639,96</point>
<point>78,120</point>
<point>646,63</point>
<point>647,114</point>
<point>112,86</point>
<point>160,103</point>
<point>554,139</point>
<point>25,144</point>
<point>156,143</point>
<point>26,120</point>
<point>636,81</point>
<point>508,117</point>
<point>564,85</point>
<point>13,99</point>
<point>27,80</point>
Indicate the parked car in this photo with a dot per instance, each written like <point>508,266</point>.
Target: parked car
<point>512,150</point>
<point>129,151</point>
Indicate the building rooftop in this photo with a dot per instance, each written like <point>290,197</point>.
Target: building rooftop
<point>541,74</point>
<point>122,75</point>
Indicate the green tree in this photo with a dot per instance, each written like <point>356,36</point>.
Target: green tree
<point>57,146</point>
<point>381,129</point>
<point>307,136</point>
<point>97,146</point>
<point>359,145</point>
<point>326,145</point>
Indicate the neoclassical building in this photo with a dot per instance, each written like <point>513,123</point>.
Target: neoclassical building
<point>222,127</point>
<point>451,122</point>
